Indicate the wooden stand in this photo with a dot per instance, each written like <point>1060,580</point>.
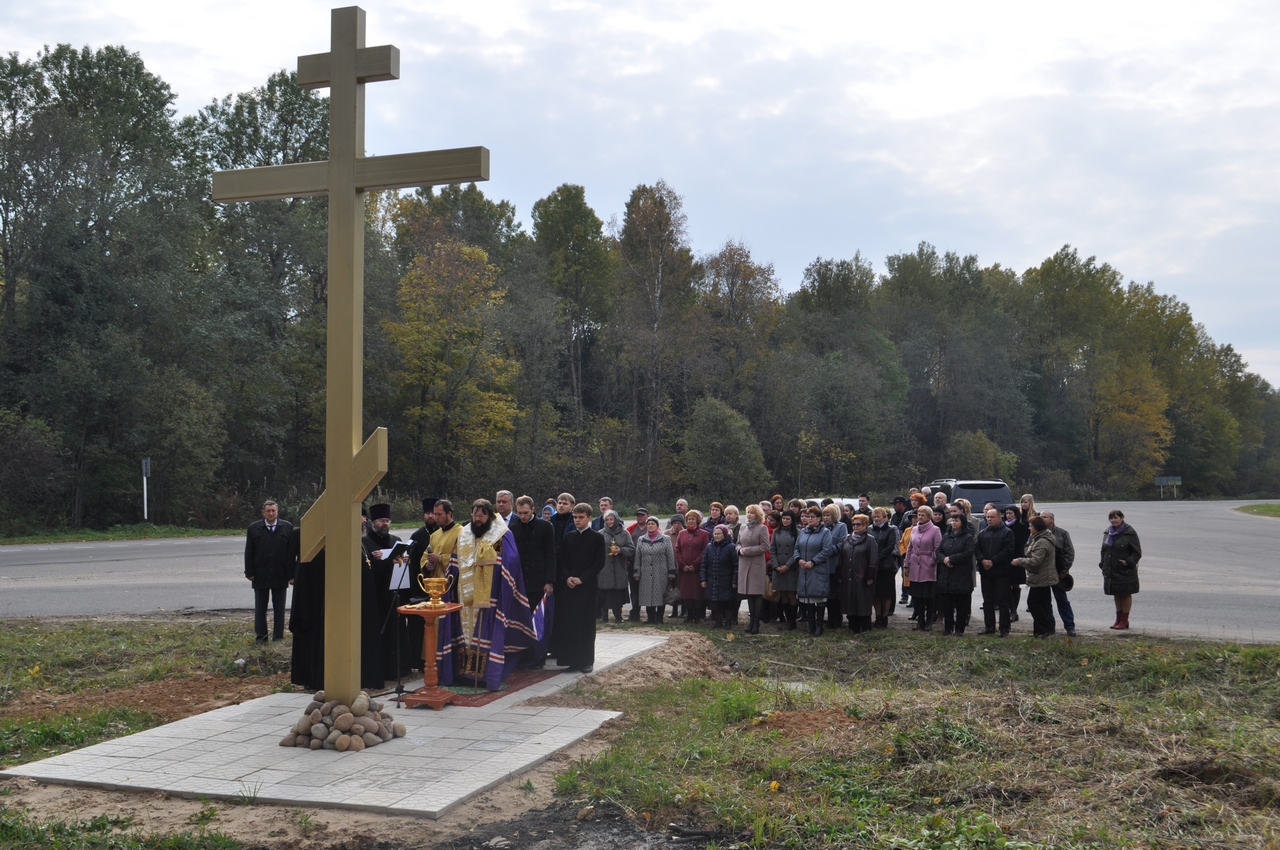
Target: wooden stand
<point>430,693</point>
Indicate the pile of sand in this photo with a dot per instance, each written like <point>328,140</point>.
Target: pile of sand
<point>685,655</point>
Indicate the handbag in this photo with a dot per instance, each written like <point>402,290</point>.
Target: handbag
<point>770,595</point>
<point>672,596</point>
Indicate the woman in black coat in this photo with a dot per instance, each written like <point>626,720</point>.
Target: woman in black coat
<point>886,536</point>
<point>718,574</point>
<point>1119,564</point>
<point>1016,523</point>
<point>859,559</point>
<point>955,574</point>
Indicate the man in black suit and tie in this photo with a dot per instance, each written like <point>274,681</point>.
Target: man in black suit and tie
<point>270,558</point>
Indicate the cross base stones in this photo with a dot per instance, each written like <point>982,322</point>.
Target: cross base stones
<point>333,726</point>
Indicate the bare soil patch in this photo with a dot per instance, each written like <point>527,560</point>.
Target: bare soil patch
<point>168,699</point>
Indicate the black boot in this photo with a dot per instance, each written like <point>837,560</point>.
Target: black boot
<point>818,609</point>
<point>753,608</point>
<point>809,615</point>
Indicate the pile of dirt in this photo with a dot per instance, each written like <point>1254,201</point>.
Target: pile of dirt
<point>803,724</point>
<point>168,699</point>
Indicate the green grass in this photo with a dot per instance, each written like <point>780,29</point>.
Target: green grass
<point>18,831</point>
<point>919,741</point>
<point>74,655</point>
<point>140,531</point>
<point>28,740</point>
<point>1260,510</point>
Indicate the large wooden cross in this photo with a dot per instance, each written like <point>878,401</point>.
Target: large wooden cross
<point>351,468</point>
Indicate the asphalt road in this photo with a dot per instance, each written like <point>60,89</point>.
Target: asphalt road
<point>123,577</point>
<point>1206,570</point>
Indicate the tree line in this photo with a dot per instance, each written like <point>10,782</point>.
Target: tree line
<point>137,318</point>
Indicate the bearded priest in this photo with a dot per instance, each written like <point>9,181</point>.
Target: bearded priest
<point>482,642</point>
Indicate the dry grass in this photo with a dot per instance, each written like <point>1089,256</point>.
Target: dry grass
<point>903,740</point>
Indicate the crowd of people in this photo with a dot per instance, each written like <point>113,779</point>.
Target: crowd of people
<point>833,564</point>
<point>828,564</point>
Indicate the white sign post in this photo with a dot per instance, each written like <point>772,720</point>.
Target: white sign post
<point>146,473</point>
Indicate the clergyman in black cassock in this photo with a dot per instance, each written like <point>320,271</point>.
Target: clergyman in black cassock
<point>388,626</point>
<point>306,622</point>
<point>580,559</point>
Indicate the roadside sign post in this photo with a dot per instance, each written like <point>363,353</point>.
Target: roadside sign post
<point>146,473</point>
<point>1173,481</point>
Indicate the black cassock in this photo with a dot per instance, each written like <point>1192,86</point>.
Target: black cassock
<point>379,628</point>
<point>581,554</point>
<point>306,622</point>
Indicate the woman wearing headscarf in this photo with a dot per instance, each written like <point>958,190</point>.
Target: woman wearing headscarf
<point>753,543</point>
<point>922,567</point>
<point>719,575</point>
<point>1121,552</point>
<point>675,525</point>
<point>1042,574</point>
<point>858,565</point>
<point>656,567</point>
<point>548,511</point>
<point>690,544</point>
<point>955,572</point>
<point>615,577</point>
<point>781,547</point>
<point>813,561</point>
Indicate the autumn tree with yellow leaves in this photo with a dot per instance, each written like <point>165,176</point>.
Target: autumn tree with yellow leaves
<point>457,386</point>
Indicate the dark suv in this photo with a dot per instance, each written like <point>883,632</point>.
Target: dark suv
<point>977,491</point>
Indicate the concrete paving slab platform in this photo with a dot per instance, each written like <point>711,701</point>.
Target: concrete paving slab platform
<point>445,758</point>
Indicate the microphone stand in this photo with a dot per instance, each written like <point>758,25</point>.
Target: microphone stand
<point>395,603</point>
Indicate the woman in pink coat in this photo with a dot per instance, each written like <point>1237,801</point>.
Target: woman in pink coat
<point>753,544</point>
<point>921,567</point>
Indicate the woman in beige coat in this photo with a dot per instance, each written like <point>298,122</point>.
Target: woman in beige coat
<point>753,543</point>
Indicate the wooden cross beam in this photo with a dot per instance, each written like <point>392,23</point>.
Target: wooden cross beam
<point>352,469</point>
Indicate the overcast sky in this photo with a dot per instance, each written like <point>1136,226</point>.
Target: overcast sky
<point>1145,134</point>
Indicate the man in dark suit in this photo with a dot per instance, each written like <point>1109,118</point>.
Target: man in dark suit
<point>535,541</point>
<point>270,558</point>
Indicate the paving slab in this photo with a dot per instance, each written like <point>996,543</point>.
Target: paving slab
<point>445,758</point>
